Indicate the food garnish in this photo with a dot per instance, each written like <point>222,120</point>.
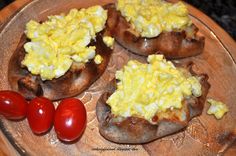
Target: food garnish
<point>40,115</point>
<point>12,105</point>
<point>70,119</point>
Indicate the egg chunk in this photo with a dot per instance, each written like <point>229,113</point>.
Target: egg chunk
<point>98,59</point>
<point>109,41</point>
<point>217,108</point>
<point>62,39</point>
<point>144,90</point>
<point>151,17</point>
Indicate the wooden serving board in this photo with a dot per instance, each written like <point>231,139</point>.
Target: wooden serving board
<point>204,136</point>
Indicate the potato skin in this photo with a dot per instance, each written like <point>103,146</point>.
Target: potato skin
<point>72,83</point>
<point>174,45</point>
<point>135,130</point>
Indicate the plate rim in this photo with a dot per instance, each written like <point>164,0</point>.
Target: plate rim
<point>16,7</point>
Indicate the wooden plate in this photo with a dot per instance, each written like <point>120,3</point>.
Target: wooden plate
<point>204,136</point>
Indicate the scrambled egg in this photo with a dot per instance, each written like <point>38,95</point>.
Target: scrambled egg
<point>151,17</point>
<point>62,39</point>
<point>144,90</point>
<point>98,59</point>
<point>109,41</point>
<point>217,108</point>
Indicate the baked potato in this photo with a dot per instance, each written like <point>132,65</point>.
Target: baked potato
<point>173,44</point>
<point>136,130</point>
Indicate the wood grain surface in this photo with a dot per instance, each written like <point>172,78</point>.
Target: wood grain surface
<point>218,60</point>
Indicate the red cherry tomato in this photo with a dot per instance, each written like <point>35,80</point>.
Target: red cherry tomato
<point>40,114</point>
<point>12,105</point>
<point>70,119</point>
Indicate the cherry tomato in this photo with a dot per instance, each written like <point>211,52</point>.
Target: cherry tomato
<point>12,105</point>
<point>40,114</point>
<point>70,119</point>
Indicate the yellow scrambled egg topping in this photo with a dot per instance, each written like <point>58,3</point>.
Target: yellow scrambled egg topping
<point>151,17</point>
<point>217,108</point>
<point>144,90</point>
<point>109,41</point>
<point>62,39</point>
<point>98,59</point>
